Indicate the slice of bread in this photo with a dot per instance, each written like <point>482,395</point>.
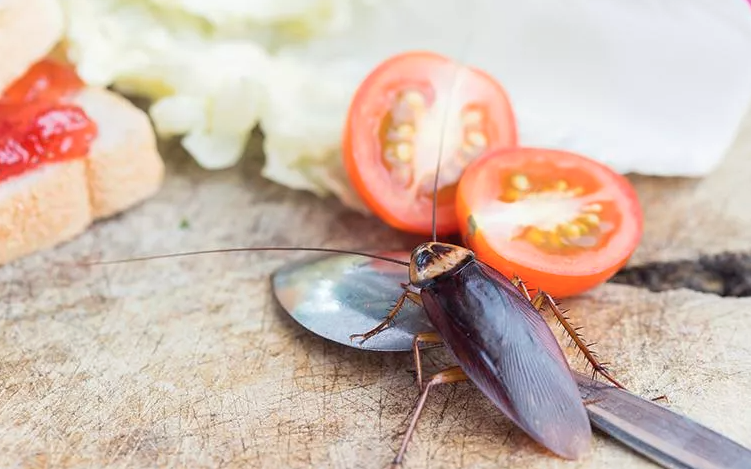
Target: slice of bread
<point>52,204</point>
<point>42,208</point>
<point>123,166</point>
<point>29,30</point>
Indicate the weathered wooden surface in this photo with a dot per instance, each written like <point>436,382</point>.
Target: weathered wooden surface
<point>685,217</point>
<point>189,363</point>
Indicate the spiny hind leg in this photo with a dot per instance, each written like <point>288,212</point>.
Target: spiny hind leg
<point>542,299</point>
<point>407,294</point>
<point>449,375</point>
<point>539,301</point>
<point>519,284</point>
<point>423,338</point>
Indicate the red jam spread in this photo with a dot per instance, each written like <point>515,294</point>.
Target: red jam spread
<point>37,125</point>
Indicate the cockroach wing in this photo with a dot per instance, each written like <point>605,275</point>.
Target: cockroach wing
<point>507,349</point>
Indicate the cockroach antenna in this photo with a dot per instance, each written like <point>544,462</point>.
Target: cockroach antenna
<point>458,66</point>
<point>244,249</point>
<point>438,163</point>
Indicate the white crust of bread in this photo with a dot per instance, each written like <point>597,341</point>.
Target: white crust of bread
<point>124,166</point>
<point>29,30</point>
<point>54,203</point>
<point>42,208</point>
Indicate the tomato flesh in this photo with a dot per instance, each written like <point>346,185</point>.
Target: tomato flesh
<point>408,111</point>
<point>37,125</point>
<point>560,221</point>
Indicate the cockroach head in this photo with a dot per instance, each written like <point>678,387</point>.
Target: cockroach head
<point>432,260</point>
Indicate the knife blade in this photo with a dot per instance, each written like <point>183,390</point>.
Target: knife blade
<point>658,433</point>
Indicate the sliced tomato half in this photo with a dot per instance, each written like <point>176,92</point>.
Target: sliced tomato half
<point>408,111</point>
<point>562,222</point>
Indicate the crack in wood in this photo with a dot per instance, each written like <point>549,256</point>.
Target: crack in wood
<point>726,274</point>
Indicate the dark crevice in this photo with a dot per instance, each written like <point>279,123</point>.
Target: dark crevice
<point>727,274</point>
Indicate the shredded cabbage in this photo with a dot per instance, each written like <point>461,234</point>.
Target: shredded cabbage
<point>210,69</point>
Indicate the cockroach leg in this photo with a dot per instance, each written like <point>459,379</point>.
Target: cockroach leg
<point>389,317</point>
<point>406,294</point>
<point>587,402</point>
<point>423,338</point>
<point>414,297</point>
<point>542,299</point>
<point>449,375</point>
<point>519,283</point>
<point>539,301</point>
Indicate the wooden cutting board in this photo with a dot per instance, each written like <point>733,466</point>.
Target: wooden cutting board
<point>189,363</point>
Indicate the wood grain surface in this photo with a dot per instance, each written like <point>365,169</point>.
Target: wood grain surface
<point>189,362</point>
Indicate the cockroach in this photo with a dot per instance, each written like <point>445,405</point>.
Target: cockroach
<point>496,333</point>
<point>501,342</point>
